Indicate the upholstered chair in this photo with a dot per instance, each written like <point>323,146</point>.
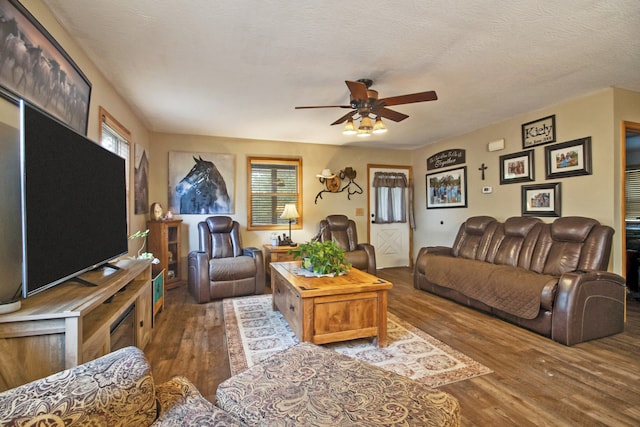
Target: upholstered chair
<point>339,227</point>
<point>222,268</point>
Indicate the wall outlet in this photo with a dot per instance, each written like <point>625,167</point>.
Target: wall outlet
<point>487,190</point>
<point>359,211</point>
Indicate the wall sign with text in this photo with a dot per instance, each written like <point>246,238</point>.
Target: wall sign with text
<point>446,158</point>
<point>538,132</point>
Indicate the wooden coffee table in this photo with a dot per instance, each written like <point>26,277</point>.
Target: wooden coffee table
<point>329,309</point>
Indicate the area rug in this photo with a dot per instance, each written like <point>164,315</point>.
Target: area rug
<point>255,332</point>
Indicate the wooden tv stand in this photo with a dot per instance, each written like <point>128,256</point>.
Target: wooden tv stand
<point>70,323</point>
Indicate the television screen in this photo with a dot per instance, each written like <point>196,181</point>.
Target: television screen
<point>74,215</point>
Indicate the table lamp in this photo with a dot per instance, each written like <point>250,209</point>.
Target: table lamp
<point>290,212</point>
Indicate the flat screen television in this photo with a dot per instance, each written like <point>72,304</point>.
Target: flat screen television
<point>73,201</point>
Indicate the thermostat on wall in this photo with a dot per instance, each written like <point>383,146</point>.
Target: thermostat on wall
<point>487,190</point>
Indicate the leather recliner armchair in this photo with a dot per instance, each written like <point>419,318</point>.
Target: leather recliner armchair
<point>339,227</point>
<point>222,268</point>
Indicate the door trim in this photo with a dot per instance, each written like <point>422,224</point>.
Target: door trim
<point>409,170</point>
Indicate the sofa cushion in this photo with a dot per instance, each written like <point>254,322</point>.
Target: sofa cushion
<point>113,390</point>
<point>514,290</point>
<point>232,268</point>
<point>474,237</point>
<point>181,404</point>
<point>313,386</point>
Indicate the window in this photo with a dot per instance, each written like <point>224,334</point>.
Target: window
<point>273,182</point>
<point>632,192</point>
<point>116,138</point>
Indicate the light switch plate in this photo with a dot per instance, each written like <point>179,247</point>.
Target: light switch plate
<point>487,190</point>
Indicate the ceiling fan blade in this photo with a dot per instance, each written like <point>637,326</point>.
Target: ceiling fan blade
<point>391,114</point>
<point>344,118</point>
<point>411,98</point>
<point>324,106</point>
<point>358,90</point>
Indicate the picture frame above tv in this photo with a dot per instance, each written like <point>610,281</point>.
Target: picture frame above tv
<point>48,78</point>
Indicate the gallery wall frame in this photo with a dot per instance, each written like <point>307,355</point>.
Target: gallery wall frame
<point>539,132</point>
<point>517,167</point>
<point>201,183</point>
<point>542,199</point>
<point>571,158</point>
<point>34,67</point>
<point>447,189</point>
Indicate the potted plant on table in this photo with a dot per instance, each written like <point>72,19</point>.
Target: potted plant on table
<point>322,258</point>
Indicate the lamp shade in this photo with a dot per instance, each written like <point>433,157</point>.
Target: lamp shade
<point>379,127</point>
<point>349,128</point>
<point>290,211</point>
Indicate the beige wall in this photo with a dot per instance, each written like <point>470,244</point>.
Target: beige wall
<point>102,94</point>
<point>597,115</point>
<point>596,195</point>
<point>315,157</point>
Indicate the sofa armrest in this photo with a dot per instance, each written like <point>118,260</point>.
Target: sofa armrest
<point>588,305</point>
<point>115,389</point>
<point>257,255</point>
<point>371,255</point>
<point>419,265</point>
<point>198,276</point>
<point>181,404</point>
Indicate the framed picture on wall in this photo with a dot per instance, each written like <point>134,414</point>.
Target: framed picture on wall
<point>34,67</point>
<point>572,158</point>
<point>517,167</point>
<point>541,199</point>
<point>201,183</point>
<point>447,189</point>
<point>538,132</point>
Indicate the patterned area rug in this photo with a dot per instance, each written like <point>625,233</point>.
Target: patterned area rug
<point>256,332</point>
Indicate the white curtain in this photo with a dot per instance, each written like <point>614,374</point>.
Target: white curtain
<point>390,197</point>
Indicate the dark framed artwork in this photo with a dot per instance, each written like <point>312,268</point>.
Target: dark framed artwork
<point>34,67</point>
<point>517,167</point>
<point>141,179</point>
<point>539,132</point>
<point>572,158</point>
<point>201,183</point>
<point>542,199</point>
<point>447,189</point>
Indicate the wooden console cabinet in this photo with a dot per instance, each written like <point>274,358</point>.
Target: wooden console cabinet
<point>70,323</point>
<point>165,243</point>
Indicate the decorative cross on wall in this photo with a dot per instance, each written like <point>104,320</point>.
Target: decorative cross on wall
<point>482,169</point>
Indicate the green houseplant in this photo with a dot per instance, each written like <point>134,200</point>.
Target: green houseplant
<point>321,258</point>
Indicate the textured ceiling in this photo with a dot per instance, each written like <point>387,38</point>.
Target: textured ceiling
<point>238,68</point>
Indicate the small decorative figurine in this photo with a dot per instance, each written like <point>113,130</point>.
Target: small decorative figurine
<point>156,211</point>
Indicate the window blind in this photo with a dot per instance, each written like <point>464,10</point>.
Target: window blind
<point>272,186</point>
<point>632,194</point>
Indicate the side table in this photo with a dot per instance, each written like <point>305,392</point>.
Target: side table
<point>275,254</point>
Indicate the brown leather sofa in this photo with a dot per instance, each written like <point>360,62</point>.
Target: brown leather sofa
<point>222,268</point>
<point>339,227</point>
<point>549,278</point>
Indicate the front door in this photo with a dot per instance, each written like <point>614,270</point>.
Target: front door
<point>392,241</point>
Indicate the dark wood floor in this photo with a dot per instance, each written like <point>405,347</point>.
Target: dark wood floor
<point>535,381</point>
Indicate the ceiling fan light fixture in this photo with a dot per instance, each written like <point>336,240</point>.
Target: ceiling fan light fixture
<point>379,127</point>
<point>349,128</point>
<point>365,124</point>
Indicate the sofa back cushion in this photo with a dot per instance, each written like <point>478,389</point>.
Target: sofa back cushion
<point>571,243</point>
<point>341,229</point>
<point>514,241</point>
<point>220,237</point>
<point>474,237</point>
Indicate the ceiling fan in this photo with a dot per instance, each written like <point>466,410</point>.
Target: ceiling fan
<point>364,102</point>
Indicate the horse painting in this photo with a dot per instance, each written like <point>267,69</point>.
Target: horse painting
<point>203,190</point>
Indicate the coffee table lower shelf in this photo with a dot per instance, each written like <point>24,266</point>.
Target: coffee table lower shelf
<point>329,309</point>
